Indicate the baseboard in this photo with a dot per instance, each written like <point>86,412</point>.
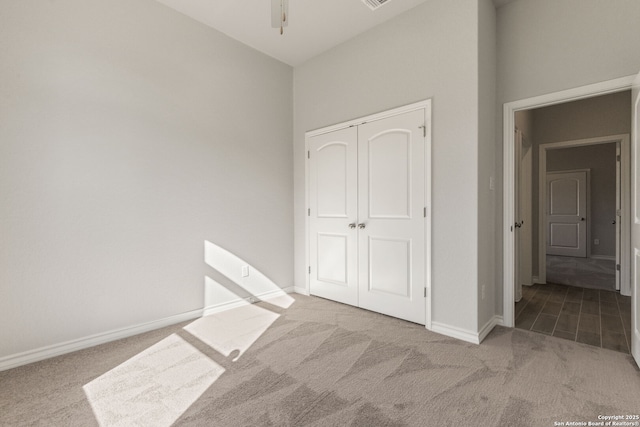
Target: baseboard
<point>536,281</point>
<point>42,353</point>
<point>455,332</point>
<point>466,335</point>
<point>488,327</point>
<point>604,257</point>
<point>301,290</point>
<point>218,308</point>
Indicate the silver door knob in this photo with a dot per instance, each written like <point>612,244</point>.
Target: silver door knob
<point>519,224</point>
<point>361,225</point>
<point>352,225</point>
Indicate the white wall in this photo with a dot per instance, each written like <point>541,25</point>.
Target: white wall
<point>587,118</point>
<point>546,46</point>
<point>428,52</point>
<point>129,136</point>
<point>487,60</point>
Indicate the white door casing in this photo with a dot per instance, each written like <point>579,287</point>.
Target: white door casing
<point>333,242</point>
<point>635,226</point>
<point>391,233</point>
<point>566,213</point>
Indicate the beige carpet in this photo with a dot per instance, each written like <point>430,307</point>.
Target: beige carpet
<point>320,363</point>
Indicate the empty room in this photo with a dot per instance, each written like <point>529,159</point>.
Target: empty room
<point>285,213</point>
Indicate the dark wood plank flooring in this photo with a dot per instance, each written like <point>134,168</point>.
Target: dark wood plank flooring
<point>590,316</point>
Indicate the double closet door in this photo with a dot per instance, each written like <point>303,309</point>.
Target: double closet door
<point>367,215</point>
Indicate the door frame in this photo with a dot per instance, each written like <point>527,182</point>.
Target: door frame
<point>623,189</point>
<point>508,151</point>
<point>421,105</point>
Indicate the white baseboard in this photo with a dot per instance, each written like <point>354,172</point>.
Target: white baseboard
<point>488,327</point>
<point>42,353</point>
<point>218,308</point>
<point>537,281</point>
<point>38,354</point>
<point>455,332</point>
<point>605,257</point>
<point>464,334</point>
<point>300,290</point>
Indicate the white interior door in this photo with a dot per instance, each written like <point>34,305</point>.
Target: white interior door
<point>333,182</point>
<point>391,222</point>
<point>617,219</point>
<point>567,213</point>
<point>523,226</point>
<point>635,226</point>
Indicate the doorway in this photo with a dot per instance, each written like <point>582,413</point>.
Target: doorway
<point>582,238</point>
<point>511,193</point>
<point>578,239</point>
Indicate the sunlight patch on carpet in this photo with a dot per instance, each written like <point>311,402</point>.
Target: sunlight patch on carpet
<point>233,330</point>
<point>153,388</point>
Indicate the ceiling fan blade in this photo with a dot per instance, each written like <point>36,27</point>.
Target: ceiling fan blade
<point>279,13</point>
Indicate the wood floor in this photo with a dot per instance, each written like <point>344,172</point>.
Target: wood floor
<point>592,273</point>
<point>596,317</point>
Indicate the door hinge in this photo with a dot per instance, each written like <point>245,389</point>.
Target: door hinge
<point>425,292</point>
<point>618,158</point>
<point>425,212</point>
<point>308,154</point>
<point>617,267</point>
<point>309,212</point>
<point>618,212</point>
<point>309,269</point>
<point>424,130</point>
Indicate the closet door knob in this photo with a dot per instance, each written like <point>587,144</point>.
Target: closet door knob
<point>352,225</point>
<point>361,225</point>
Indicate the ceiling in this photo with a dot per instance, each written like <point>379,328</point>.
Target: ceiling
<point>314,26</point>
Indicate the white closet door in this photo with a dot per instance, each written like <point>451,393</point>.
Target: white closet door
<point>391,224</point>
<point>333,207</point>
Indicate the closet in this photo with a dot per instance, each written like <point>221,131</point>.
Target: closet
<point>368,212</point>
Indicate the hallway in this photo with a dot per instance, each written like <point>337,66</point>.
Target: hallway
<point>596,317</point>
